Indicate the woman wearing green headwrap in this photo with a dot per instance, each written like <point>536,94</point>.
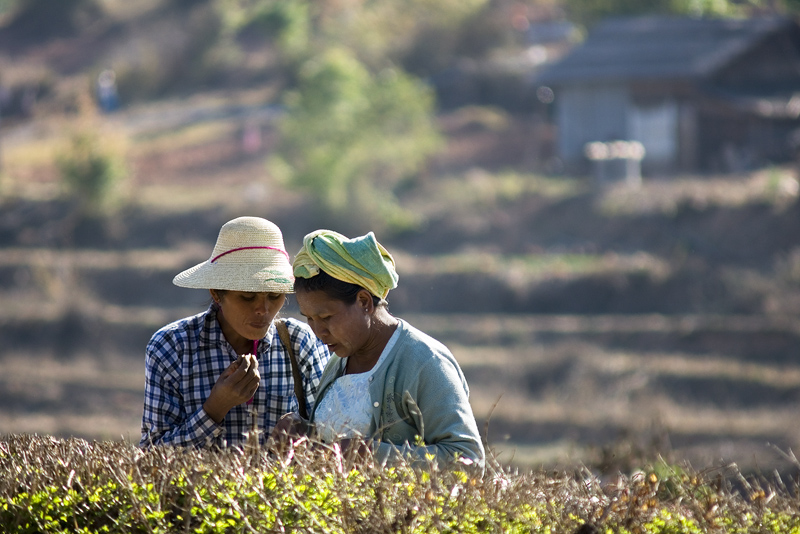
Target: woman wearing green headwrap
<point>388,385</point>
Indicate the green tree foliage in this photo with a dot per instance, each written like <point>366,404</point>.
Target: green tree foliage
<point>388,28</point>
<point>7,6</point>
<point>375,30</point>
<point>283,22</point>
<point>714,8</point>
<point>357,125</point>
<point>350,136</point>
<point>588,12</point>
<point>90,168</point>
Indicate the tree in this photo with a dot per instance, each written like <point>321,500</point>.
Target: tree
<point>375,30</point>
<point>350,137</point>
<point>93,163</point>
<point>588,12</point>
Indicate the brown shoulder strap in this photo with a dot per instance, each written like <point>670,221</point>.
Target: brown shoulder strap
<point>300,393</point>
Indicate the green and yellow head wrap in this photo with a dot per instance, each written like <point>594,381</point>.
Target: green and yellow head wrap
<point>361,261</point>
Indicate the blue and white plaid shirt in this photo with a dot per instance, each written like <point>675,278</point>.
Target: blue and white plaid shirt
<point>183,361</point>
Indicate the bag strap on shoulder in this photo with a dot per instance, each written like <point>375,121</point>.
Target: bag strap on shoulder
<point>299,392</point>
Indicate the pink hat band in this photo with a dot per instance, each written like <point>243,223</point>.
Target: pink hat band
<point>215,258</point>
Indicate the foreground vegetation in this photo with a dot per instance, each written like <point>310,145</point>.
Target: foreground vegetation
<point>51,485</point>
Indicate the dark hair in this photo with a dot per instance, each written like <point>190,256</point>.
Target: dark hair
<point>333,287</point>
<point>212,302</point>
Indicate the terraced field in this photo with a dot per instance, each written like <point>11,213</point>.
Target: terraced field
<point>594,326</point>
<point>547,388</point>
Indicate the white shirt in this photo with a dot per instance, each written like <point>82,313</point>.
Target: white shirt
<point>346,411</point>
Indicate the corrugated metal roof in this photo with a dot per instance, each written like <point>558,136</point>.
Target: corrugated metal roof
<point>655,48</point>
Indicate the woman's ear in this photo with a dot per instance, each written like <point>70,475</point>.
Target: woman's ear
<point>364,301</point>
<point>214,295</point>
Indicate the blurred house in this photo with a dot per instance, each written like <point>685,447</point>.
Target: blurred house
<point>503,79</point>
<point>713,95</point>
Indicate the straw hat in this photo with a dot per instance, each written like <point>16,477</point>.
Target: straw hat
<point>249,256</point>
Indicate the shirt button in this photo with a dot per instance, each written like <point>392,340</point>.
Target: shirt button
<point>376,404</point>
<point>370,378</point>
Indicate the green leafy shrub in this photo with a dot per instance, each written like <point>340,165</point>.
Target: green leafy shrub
<point>91,167</point>
<point>350,137</point>
<point>68,486</point>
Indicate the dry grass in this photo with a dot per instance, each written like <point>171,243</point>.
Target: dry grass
<point>776,185</point>
<point>549,389</point>
<point>82,396</point>
<point>69,485</point>
<point>522,269</point>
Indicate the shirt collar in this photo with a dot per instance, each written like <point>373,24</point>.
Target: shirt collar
<point>211,334</point>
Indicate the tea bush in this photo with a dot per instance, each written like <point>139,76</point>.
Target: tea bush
<point>51,485</point>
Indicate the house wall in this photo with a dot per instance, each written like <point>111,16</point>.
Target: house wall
<point>656,127</point>
<point>587,113</point>
<point>607,112</point>
<point>687,137</point>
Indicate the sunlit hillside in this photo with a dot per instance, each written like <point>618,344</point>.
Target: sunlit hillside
<point>596,325</point>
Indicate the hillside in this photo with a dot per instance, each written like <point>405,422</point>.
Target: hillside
<point>594,325</point>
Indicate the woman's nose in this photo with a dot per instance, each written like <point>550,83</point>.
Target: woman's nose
<point>262,304</point>
<point>317,328</point>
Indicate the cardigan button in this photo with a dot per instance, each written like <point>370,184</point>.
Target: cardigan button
<point>376,404</point>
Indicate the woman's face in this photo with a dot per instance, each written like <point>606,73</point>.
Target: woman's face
<point>246,316</point>
<point>344,328</point>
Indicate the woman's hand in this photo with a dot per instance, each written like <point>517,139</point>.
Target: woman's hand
<point>237,384</point>
<point>289,427</point>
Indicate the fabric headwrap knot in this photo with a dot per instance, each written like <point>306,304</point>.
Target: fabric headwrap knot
<point>361,261</point>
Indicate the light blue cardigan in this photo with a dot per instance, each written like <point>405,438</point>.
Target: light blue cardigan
<point>418,392</point>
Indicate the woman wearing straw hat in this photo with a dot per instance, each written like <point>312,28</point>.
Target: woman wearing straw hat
<point>387,382</point>
<point>216,377</point>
